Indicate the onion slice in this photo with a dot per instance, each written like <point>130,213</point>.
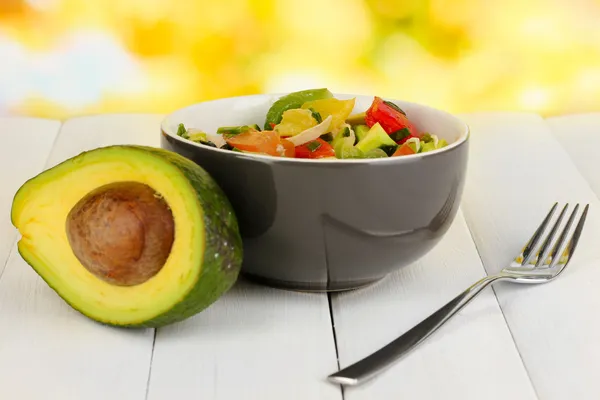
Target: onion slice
<point>311,134</point>
<point>217,139</point>
<point>417,143</point>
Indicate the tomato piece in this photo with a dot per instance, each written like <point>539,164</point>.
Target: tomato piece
<point>316,149</point>
<point>266,142</point>
<point>389,118</point>
<point>257,142</point>
<point>289,148</point>
<point>403,150</point>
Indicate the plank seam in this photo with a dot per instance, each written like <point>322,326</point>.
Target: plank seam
<point>10,253</point>
<point>464,215</point>
<point>150,365</point>
<point>53,147</point>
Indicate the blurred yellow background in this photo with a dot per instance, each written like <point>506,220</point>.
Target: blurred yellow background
<point>61,58</point>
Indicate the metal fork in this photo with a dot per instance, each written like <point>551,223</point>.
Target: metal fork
<point>530,266</point>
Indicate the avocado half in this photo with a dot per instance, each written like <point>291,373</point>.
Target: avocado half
<point>129,236</point>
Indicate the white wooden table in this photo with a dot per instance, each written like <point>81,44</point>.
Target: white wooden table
<point>512,342</point>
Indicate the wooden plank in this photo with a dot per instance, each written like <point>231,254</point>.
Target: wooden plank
<point>47,350</point>
<point>517,170</point>
<point>26,143</point>
<point>85,133</point>
<point>472,357</point>
<point>580,137</point>
<point>255,343</point>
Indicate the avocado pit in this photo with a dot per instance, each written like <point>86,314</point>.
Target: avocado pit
<point>121,232</point>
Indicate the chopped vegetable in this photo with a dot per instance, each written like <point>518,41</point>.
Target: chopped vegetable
<point>265,142</point>
<point>289,150</point>
<point>339,110</point>
<point>312,146</point>
<point>293,100</point>
<point>427,146</point>
<point>404,150</point>
<point>217,139</point>
<point>181,131</point>
<point>361,131</point>
<point>346,137</point>
<point>388,117</point>
<point>376,153</point>
<point>208,143</point>
<point>236,130</point>
<point>349,152</point>
<point>431,143</point>
<point>195,135</point>
<point>328,137</point>
<point>426,137</point>
<point>312,133</point>
<point>316,149</point>
<point>295,121</point>
<point>414,144</point>
<point>356,119</point>
<point>343,150</point>
<point>316,116</point>
<point>394,106</point>
<point>401,135</point>
<point>340,148</point>
<point>313,124</point>
<point>377,138</point>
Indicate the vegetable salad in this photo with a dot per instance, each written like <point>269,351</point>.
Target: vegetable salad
<point>314,124</point>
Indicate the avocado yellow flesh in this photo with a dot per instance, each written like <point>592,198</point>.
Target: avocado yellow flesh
<point>205,254</point>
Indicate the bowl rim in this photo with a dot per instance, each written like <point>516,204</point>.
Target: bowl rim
<point>463,138</point>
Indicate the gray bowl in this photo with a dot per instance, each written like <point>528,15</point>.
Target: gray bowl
<point>325,225</point>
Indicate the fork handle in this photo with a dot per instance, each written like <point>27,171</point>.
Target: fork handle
<point>370,366</point>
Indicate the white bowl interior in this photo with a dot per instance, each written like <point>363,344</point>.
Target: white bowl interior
<point>246,110</point>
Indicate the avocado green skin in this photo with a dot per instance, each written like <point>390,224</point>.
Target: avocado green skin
<point>223,251</point>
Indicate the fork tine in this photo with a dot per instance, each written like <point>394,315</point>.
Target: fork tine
<point>577,234</point>
<point>528,252</point>
<point>559,248</point>
<point>562,239</point>
<point>546,246</point>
